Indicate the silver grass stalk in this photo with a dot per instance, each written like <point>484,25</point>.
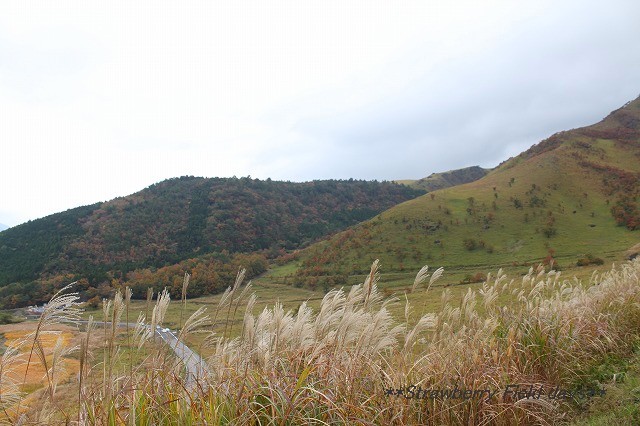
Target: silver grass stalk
<point>160,309</point>
<point>60,352</point>
<point>407,308</point>
<point>370,283</point>
<point>302,330</point>
<point>118,310</point>
<point>62,308</point>
<point>127,302</point>
<point>239,279</point>
<point>185,285</point>
<point>10,391</point>
<point>110,355</point>
<point>40,353</point>
<point>435,277</point>
<point>231,296</point>
<point>142,331</point>
<point>149,302</point>
<point>195,320</point>
<point>427,322</point>
<point>85,356</point>
<point>421,276</point>
<point>224,298</point>
<point>248,331</point>
<point>183,296</point>
<point>241,297</point>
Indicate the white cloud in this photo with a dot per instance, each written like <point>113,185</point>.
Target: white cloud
<point>101,100</point>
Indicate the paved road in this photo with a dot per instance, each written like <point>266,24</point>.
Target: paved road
<point>193,363</point>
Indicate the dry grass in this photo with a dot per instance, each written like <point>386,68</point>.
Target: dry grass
<point>334,365</point>
<point>34,378</point>
<point>36,374</point>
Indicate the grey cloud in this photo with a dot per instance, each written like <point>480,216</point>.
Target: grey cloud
<point>478,109</point>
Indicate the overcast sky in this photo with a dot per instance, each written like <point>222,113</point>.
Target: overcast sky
<point>101,99</point>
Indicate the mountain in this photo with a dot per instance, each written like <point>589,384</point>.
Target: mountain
<point>443,180</point>
<point>572,197</point>
<point>3,227</point>
<point>180,219</point>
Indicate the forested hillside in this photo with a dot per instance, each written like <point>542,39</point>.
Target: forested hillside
<point>179,219</point>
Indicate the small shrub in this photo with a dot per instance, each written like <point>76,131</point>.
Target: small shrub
<point>549,231</point>
<point>478,277</point>
<point>517,203</point>
<point>8,318</point>
<point>589,259</point>
<point>470,244</point>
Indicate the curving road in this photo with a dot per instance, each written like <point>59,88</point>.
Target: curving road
<point>194,365</point>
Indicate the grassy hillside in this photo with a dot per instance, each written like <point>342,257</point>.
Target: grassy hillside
<point>176,220</point>
<point>570,196</point>
<point>442,180</point>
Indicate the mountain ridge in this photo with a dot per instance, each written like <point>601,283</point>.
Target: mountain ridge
<point>572,194</point>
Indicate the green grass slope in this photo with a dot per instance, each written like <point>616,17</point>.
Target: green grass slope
<point>571,195</point>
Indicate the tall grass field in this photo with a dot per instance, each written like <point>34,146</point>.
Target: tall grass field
<point>557,349</point>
